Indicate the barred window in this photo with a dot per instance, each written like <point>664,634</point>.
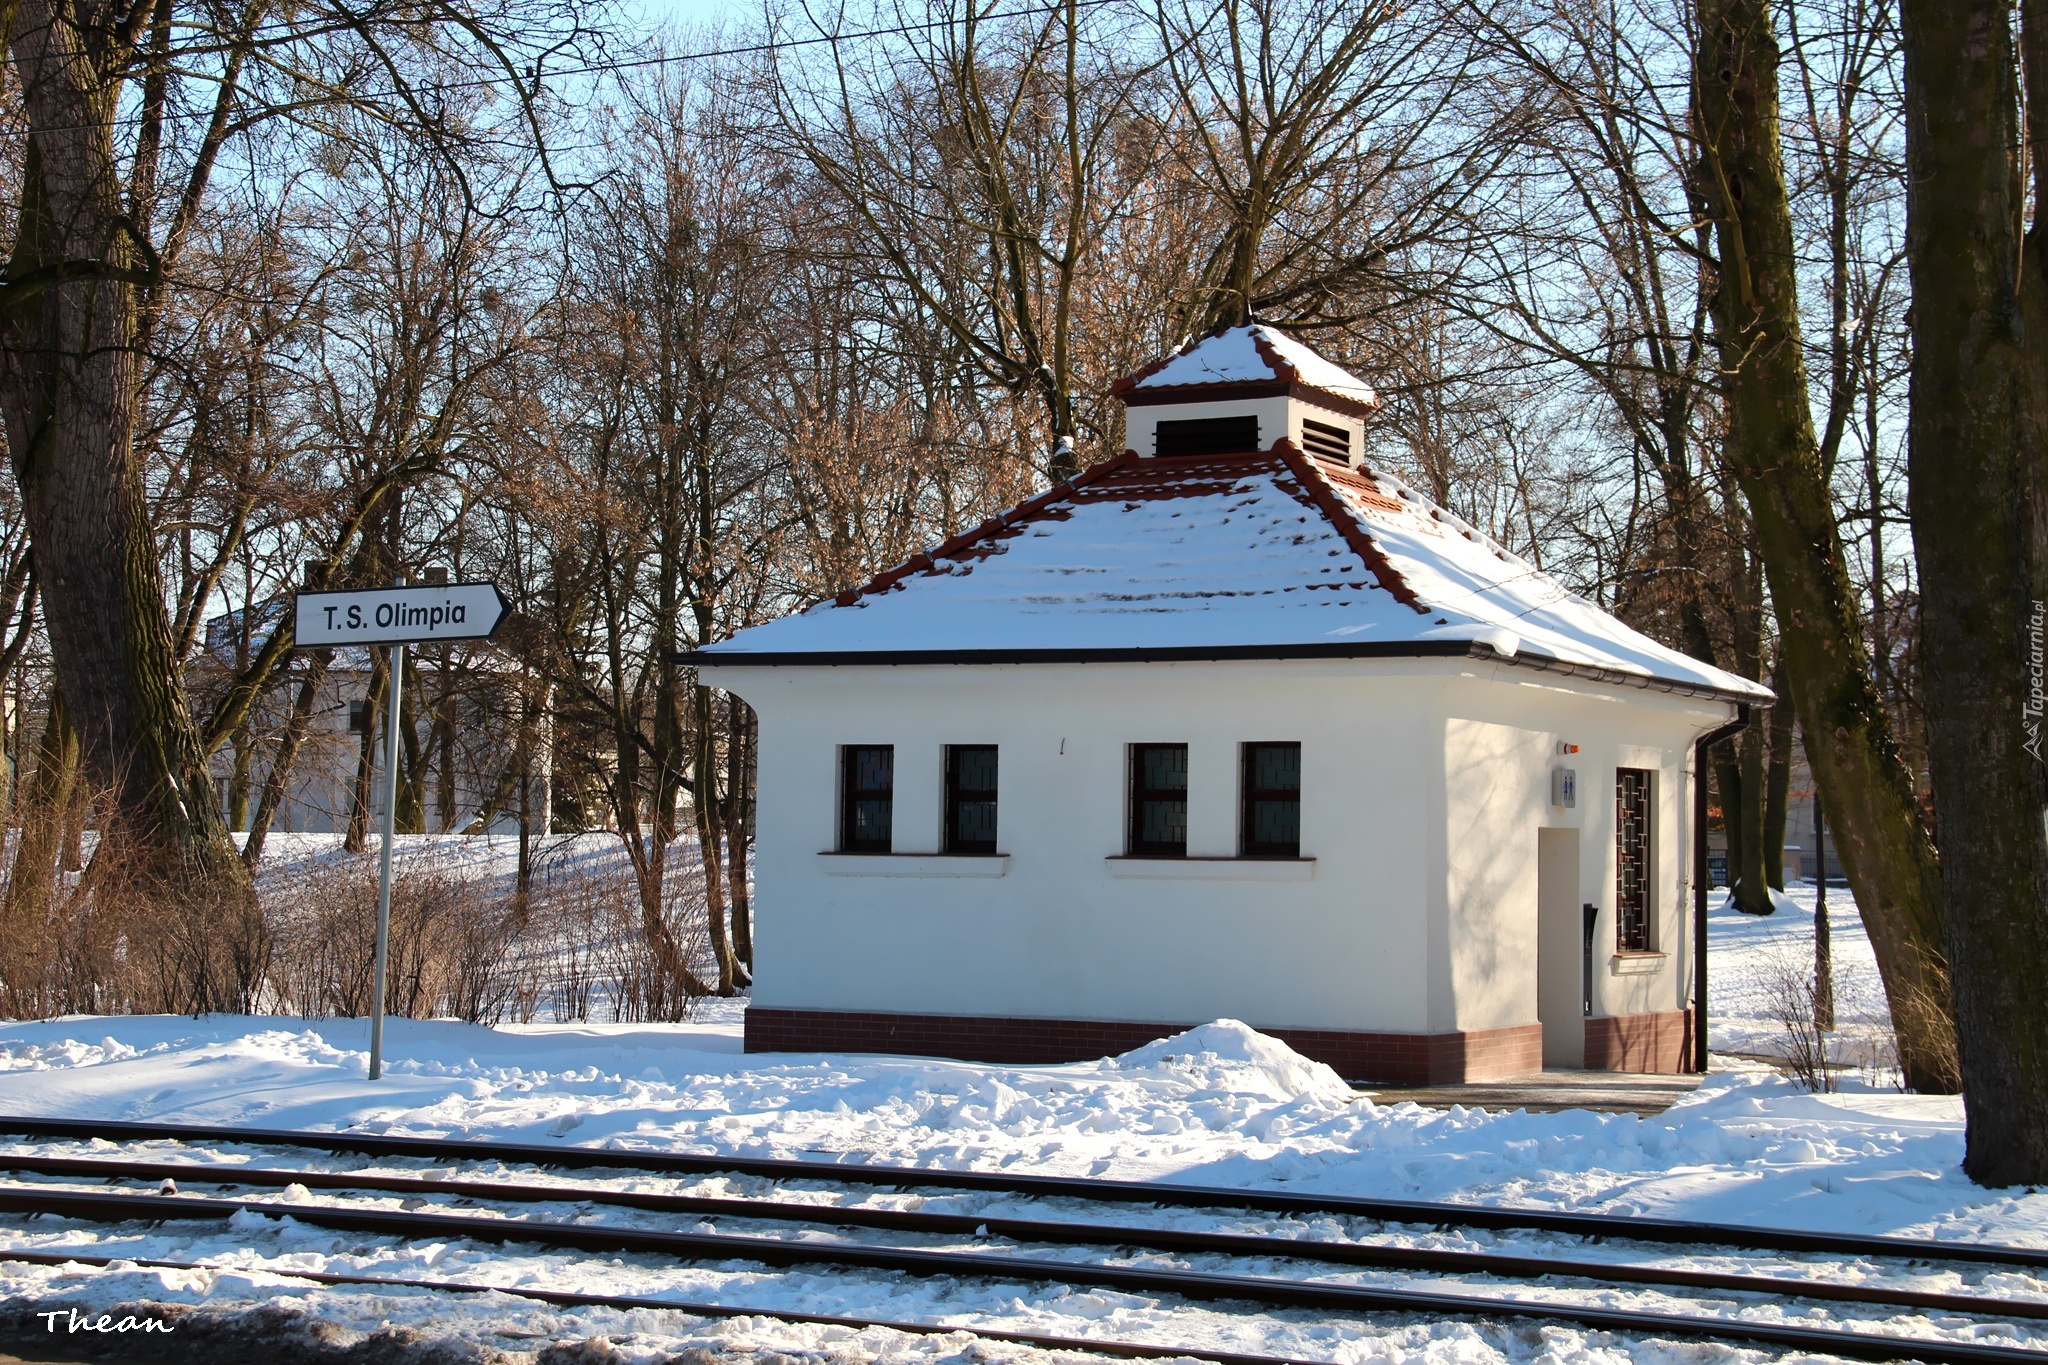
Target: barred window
<point>1632,860</point>
<point>1159,800</point>
<point>1270,824</point>
<point>867,805</point>
<point>970,798</point>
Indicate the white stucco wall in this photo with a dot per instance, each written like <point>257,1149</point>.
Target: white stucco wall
<point>1502,733</point>
<point>1423,785</point>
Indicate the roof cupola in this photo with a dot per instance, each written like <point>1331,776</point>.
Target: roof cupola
<point>1243,389</point>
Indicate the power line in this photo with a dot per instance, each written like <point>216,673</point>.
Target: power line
<point>637,63</point>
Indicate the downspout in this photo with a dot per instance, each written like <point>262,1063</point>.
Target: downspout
<point>1699,880</point>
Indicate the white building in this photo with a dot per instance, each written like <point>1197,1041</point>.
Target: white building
<point>471,683</point>
<point>1228,726</point>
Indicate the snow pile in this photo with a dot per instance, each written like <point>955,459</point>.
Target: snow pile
<point>1233,1058</point>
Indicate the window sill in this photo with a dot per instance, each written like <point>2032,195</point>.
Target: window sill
<point>1638,964</point>
<point>914,864</point>
<point>1213,869</point>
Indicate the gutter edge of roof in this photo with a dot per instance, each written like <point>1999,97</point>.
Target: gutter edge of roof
<point>1365,649</point>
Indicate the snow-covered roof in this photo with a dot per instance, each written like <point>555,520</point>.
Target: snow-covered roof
<point>1264,554</point>
<point>1243,357</point>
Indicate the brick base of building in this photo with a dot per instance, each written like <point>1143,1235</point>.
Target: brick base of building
<point>1640,1042</point>
<point>1399,1058</point>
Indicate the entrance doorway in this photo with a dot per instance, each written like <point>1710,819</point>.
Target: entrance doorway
<point>1560,993</point>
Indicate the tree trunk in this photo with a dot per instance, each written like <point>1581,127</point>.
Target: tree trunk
<point>45,805</point>
<point>278,780</point>
<point>238,783</point>
<point>1974,475</point>
<point>411,815</point>
<point>1773,452</point>
<point>1778,785</point>
<point>704,805</point>
<point>739,806</point>
<point>1823,932</point>
<point>358,836</point>
<point>442,741</point>
<point>1752,889</point>
<point>1728,793</point>
<point>69,395</point>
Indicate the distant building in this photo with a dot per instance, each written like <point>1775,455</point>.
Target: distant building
<point>1231,725</point>
<point>471,684</point>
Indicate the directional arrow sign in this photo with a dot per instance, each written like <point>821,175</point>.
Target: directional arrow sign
<point>401,616</point>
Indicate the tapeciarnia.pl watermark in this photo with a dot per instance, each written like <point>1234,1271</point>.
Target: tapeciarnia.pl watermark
<point>75,1321</point>
<point>2037,681</point>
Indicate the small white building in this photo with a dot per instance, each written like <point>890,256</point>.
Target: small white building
<point>1231,725</point>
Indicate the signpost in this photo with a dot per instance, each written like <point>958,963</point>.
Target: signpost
<point>396,616</point>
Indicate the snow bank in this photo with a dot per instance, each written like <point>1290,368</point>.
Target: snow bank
<point>1221,1104</point>
<point>1228,1056</point>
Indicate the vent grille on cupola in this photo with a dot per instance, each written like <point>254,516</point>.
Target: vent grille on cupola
<point>1245,389</point>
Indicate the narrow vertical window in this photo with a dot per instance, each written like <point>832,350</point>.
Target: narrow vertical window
<point>867,799</point>
<point>1159,800</point>
<point>970,798</point>
<point>1632,859</point>
<point>1270,826</point>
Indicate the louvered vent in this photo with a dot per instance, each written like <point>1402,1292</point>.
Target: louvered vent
<point>1332,443</point>
<point>1206,436</point>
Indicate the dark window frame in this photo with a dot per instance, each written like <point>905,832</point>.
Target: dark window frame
<point>852,796</point>
<point>1141,795</point>
<point>1194,437</point>
<point>1634,860</point>
<point>959,797</point>
<point>1252,795</point>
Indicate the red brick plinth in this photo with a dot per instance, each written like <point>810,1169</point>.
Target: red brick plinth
<point>1401,1058</point>
<point>1640,1042</point>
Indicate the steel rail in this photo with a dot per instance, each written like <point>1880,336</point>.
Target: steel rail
<point>1591,1225</point>
<point>563,1298</point>
<point>1197,1285</point>
<point>1377,1255</point>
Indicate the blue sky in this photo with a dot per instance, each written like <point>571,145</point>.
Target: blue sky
<point>689,12</point>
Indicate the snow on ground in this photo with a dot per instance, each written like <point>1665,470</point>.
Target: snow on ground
<point>1220,1105</point>
<point>1749,958</point>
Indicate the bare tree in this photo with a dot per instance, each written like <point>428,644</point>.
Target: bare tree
<point>983,157</point>
<point>1773,451</point>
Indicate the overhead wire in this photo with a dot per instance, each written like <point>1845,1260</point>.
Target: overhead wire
<point>536,77</point>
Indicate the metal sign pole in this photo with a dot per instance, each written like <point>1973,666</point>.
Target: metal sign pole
<point>397,685</point>
<point>363,618</point>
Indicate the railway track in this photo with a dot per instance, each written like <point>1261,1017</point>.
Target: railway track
<point>522,1225</point>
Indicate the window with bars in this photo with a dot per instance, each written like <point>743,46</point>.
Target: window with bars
<point>1270,824</point>
<point>1159,800</point>
<point>867,797</point>
<point>1632,847</point>
<point>970,798</point>
<point>1320,438</point>
<point>1206,436</point>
